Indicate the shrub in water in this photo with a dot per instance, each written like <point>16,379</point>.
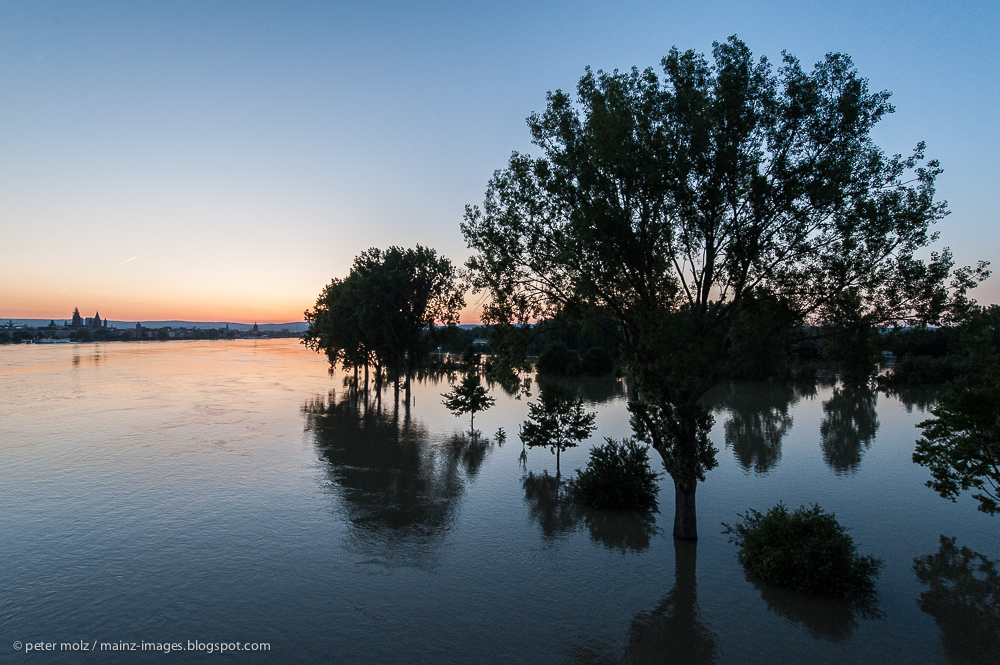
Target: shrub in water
<point>807,550</point>
<point>617,477</point>
<point>558,358</point>
<point>597,361</point>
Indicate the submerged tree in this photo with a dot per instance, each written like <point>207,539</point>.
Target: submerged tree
<point>376,315</point>
<point>468,397</point>
<point>961,443</point>
<point>711,210</point>
<point>557,421</point>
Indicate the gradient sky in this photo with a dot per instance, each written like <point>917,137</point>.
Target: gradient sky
<point>223,160</point>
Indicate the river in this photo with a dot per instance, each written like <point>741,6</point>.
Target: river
<point>221,492</point>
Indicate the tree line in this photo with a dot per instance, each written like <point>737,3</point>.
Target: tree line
<point>715,211</point>
<point>377,317</point>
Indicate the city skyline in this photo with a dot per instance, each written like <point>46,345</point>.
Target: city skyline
<point>224,162</point>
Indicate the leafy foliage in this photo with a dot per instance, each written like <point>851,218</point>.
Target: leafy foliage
<point>558,358</point>
<point>711,210</point>
<point>557,421</point>
<point>617,477</point>
<point>375,316</point>
<point>680,434</point>
<point>961,444</point>
<point>807,550</point>
<point>597,361</point>
<point>468,397</point>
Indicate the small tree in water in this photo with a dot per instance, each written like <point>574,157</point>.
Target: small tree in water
<point>468,397</point>
<point>557,420</point>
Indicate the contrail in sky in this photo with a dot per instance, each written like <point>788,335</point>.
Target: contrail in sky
<point>125,261</point>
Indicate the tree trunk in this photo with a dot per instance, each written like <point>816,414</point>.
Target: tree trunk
<point>406,384</point>
<point>685,515</point>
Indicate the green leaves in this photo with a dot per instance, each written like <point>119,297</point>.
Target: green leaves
<point>712,209</point>
<point>806,549</point>
<point>617,477</point>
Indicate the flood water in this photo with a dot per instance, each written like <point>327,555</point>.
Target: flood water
<point>222,492</point>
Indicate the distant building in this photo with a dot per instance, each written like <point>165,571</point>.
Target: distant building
<point>80,322</point>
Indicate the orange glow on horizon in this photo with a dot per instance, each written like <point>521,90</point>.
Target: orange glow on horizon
<point>244,310</point>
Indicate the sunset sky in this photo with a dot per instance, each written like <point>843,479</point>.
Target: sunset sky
<point>223,160</point>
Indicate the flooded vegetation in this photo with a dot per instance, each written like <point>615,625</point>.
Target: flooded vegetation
<point>239,491</point>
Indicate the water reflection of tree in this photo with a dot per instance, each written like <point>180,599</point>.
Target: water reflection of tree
<point>674,631</point>
<point>849,426</point>
<point>551,505</point>
<point>963,596</point>
<point>758,421</point>
<point>833,619</point>
<point>594,389</point>
<point>395,485</point>
<point>919,397</point>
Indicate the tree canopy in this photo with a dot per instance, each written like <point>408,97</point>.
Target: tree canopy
<point>557,421</point>
<point>375,316</point>
<point>961,443</point>
<point>468,397</point>
<point>712,208</point>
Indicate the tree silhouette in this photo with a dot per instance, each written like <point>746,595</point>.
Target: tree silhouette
<point>557,421</point>
<point>375,316</point>
<point>710,211</point>
<point>468,397</point>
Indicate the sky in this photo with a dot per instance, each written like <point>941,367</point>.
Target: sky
<point>224,160</point>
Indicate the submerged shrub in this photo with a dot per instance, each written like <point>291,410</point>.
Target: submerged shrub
<point>617,477</point>
<point>597,361</point>
<point>807,550</point>
<point>558,358</point>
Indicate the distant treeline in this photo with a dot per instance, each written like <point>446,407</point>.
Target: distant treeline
<point>924,356</point>
<point>30,335</point>
<point>591,344</point>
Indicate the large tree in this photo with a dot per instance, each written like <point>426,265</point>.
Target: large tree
<point>378,314</point>
<point>713,209</point>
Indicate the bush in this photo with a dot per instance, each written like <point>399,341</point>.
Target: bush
<point>807,550</point>
<point>597,361</point>
<point>617,477</point>
<point>558,358</point>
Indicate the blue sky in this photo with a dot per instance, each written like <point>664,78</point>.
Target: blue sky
<point>214,160</point>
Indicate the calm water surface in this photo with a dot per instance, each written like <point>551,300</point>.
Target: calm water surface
<point>234,491</point>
